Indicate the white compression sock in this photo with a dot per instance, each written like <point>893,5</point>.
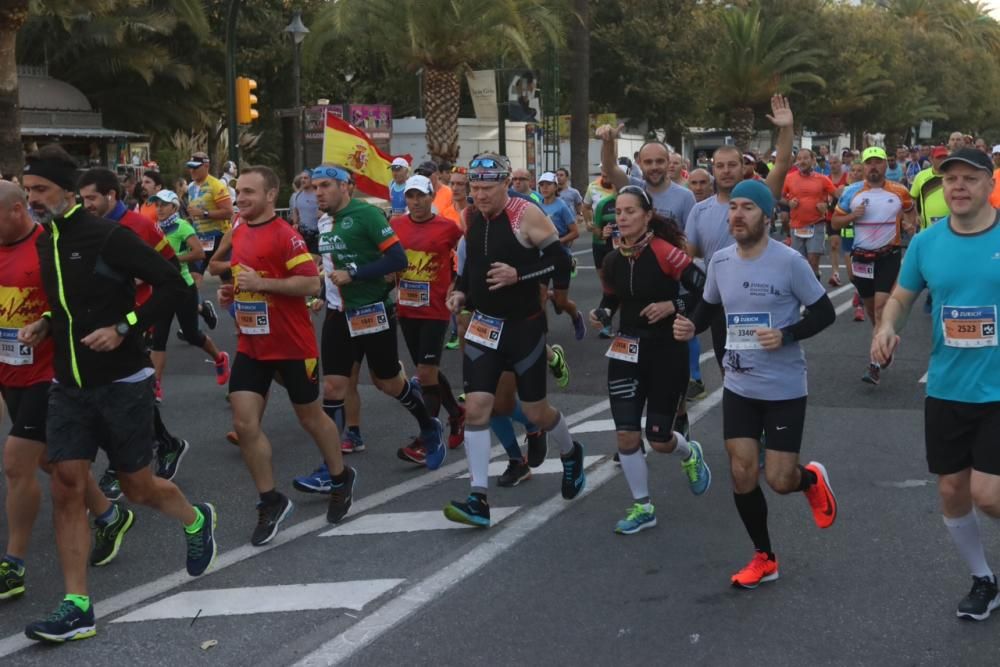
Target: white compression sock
<point>560,435</point>
<point>636,474</point>
<point>964,532</point>
<point>477,451</point>
<point>683,448</point>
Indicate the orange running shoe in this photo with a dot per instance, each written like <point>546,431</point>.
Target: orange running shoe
<point>820,497</point>
<point>759,570</point>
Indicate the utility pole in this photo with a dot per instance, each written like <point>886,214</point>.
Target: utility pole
<point>232,14</point>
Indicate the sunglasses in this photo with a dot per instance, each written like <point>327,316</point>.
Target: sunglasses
<point>638,192</point>
<point>491,176</point>
<point>486,163</point>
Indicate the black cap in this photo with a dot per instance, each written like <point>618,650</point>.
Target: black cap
<point>973,157</point>
<point>426,168</point>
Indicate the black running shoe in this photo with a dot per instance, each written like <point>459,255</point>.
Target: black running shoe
<point>108,539</point>
<point>109,485</point>
<point>168,459</point>
<point>201,546</point>
<point>475,511</point>
<point>67,623</point>
<point>981,600</point>
<point>516,472</point>
<point>573,479</point>
<point>11,580</point>
<point>208,314</point>
<point>269,517</point>
<point>538,448</point>
<point>341,496</point>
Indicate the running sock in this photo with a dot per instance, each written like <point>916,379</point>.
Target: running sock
<point>199,521</point>
<point>503,429</point>
<point>411,401</point>
<point>109,517</point>
<point>341,478</point>
<point>448,401</point>
<point>355,430</point>
<point>683,449</point>
<point>560,435</point>
<point>82,602</point>
<point>636,474</point>
<point>808,478</point>
<point>477,450</point>
<point>271,497</point>
<point>432,398</point>
<point>682,425</point>
<point>13,560</point>
<point>964,532</point>
<point>335,411</point>
<point>522,419</point>
<point>694,358</point>
<point>753,511</point>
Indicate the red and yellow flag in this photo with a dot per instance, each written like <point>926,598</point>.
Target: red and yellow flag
<point>346,145</point>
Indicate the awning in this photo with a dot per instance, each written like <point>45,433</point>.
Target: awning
<point>84,132</point>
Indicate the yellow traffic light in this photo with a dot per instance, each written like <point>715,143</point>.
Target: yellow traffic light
<point>245,101</point>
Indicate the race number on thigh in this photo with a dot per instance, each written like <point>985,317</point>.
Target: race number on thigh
<point>484,330</point>
<point>367,319</point>
<point>863,269</point>
<point>624,348</point>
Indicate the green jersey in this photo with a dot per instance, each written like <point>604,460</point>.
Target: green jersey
<point>358,234</point>
<point>928,191</point>
<point>178,231</point>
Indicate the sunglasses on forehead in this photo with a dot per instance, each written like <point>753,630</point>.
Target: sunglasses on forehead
<point>638,192</point>
<point>487,163</point>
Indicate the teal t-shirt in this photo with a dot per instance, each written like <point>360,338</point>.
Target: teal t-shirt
<point>962,273</point>
<point>177,233</point>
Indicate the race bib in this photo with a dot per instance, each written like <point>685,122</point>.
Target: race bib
<point>863,269</point>
<point>969,326</point>
<point>804,232</point>
<point>252,317</point>
<point>741,330</point>
<point>367,319</point>
<point>414,294</point>
<point>624,348</point>
<point>12,352</point>
<point>485,330</point>
<point>207,242</point>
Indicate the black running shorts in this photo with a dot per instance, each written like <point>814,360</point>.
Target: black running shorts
<point>424,339</point>
<point>886,272</point>
<point>521,349</point>
<point>781,421</point>
<point>28,407</point>
<point>115,417</point>
<point>300,377</point>
<point>657,383</point>
<point>341,352</point>
<point>961,435</point>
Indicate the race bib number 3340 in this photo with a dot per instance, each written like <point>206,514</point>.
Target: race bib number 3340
<point>741,330</point>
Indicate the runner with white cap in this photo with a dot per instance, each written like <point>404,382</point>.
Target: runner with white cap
<point>397,190</point>
<point>564,219</point>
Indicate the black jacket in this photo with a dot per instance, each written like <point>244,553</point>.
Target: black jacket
<point>89,266</point>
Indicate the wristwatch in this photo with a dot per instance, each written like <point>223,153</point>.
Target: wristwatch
<point>352,270</point>
<point>122,329</point>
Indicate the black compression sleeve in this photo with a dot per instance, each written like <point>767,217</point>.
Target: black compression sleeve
<point>704,314</point>
<point>693,280</point>
<point>818,316</point>
<point>553,262</point>
<point>391,261</point>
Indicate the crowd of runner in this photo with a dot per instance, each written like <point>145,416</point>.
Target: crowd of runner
<point>470,258</point>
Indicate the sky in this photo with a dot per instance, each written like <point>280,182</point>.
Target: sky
<point>994,6</point>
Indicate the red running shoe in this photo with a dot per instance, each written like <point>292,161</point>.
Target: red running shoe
<point>456,435</point>
<point>820,496</point>
<point>759,570</point>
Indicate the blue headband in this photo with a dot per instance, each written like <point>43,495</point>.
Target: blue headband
<point>334,173</point>
<point>756,192</point>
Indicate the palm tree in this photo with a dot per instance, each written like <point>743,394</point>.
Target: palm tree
<point>759,58</point>
<point>444,39</point>
<point>12,16</point>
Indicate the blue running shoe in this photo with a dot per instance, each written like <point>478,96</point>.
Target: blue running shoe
<point>579,326</point>
<point>201,546</point>
<point>698,473</point>
<point>475,511</point>
<point>574,478</point>
<point>605,332</point>
<point>434,446</point>
<point>67,623</point>
<point>640,517</point>
<point>318,481</point>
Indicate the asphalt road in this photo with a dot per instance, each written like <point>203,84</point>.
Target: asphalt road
<point>550,583</point>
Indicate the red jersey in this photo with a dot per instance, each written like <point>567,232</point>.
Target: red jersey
<point>22,301</point>
<point>273,326</point>
<point>423,286</point>
<point>810,191</point>
<point>151,233</point>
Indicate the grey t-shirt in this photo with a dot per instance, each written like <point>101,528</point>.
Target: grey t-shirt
<point>708,227</point>
<point>305,203</point>
<point>766,291</point>
<point>572,197</point>
<point>675,202</point>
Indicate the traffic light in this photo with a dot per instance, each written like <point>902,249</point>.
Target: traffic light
<point>245,101</point>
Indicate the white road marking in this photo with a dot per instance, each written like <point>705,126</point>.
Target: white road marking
<point>135,596</point>
<point>409,522</point>
<point>550,466</point>
<point>923,379</point>
<point>264,600</point>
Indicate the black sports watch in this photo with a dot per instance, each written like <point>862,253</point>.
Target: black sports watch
<point>122,328</point>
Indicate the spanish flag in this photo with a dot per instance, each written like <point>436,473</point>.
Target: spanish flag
<point>346,145</point>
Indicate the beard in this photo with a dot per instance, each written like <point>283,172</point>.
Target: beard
<point>46,214</point>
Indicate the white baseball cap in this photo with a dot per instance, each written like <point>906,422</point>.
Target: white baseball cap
<point>547,177</point>
<point>421,183</point>
<point>996,149</point>
<point>167,197</point>
<point>400,162</point>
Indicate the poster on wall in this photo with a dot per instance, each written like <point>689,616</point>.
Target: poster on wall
<point>524,102</point>
<point>374,119</point>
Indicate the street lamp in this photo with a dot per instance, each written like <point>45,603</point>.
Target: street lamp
<point>298,31</point>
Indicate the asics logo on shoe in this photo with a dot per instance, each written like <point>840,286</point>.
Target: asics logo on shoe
<point>73,621</point>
